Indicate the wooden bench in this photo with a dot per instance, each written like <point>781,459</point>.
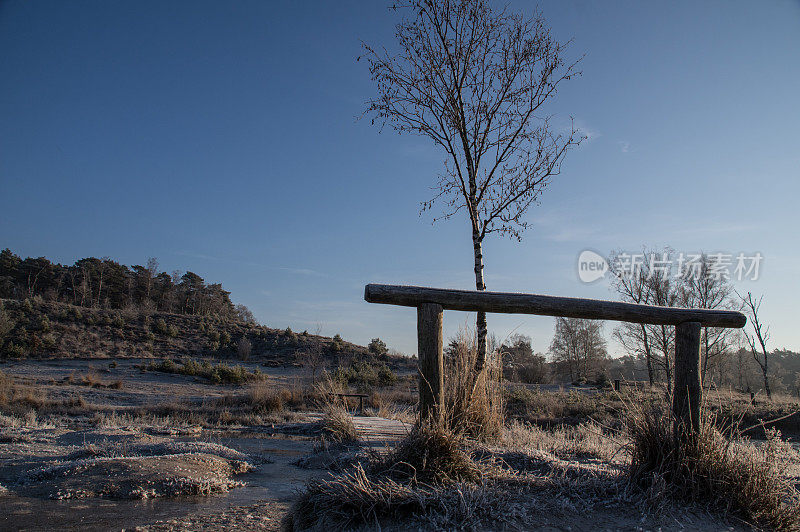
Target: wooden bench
<point>360,396</point>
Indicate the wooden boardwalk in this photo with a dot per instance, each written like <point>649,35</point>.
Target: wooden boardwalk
<point>380,430</point>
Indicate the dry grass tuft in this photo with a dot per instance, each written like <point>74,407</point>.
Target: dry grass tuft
<point>337,425</point>
<point>266,398</point>
<point>430,454</point>
<point>6,388</point>
<point>393,404</point>
<point>424,472</point>
<point>351,498</point>
<point>714,469</point>
<point>19,400</point>
<point>93,380</point>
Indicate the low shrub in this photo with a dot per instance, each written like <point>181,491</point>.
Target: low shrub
<point>364,374</point>
<point>48,341</point>
<point>224,338</point>
<point>13,350</point>
<point>160,326</point>
<point>5,388</point>
<point>218,374</point>
<point>92,380</point>
<point>337,344</point>
<point>377,347</point>
<point>386,377</point>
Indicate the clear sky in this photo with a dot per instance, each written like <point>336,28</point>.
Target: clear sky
<point>221,137</point>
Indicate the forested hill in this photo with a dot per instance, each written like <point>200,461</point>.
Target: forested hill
<point>36,328</point>
<point>101,308</point>
<point>107,284</point>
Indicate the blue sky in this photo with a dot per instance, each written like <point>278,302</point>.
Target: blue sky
<point>221,137</point>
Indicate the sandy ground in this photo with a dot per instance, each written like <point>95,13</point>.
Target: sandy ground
<point>141,388</point>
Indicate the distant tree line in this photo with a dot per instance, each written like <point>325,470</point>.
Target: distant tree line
<point>105,283</point>
<point>738,371</point>
<point>578,353</point>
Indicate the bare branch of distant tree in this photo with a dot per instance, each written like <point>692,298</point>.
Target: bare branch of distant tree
<point>313,359</point>
<point>760,334</point>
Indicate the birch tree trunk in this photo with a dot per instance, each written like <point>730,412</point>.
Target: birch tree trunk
<point>480,322</point>
<point>706,346</point>
<point>766,379</point>
<point>665,351</point>
<point>648,355</point>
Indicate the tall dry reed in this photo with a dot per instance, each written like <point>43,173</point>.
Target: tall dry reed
<point>473,405</point>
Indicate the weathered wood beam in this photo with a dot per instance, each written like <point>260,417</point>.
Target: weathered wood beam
<point>511,303</point>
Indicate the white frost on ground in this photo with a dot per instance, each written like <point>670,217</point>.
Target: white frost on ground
<point>138,471</point>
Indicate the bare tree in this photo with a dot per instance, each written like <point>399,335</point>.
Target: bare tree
<point>634,288</point>
<point>152,272</point>
<point>244,348</point>
<point>101,267</point>
<point>665,293</point>
<point>741,367</point>
<point>245,315</point>
<point>579,345</point>
<point>520,364</point>
<point>708,287</point>
<point>474,80</point>
<point>85,286</point>
<point>760,334</point>
<point>313,359</point>
<point>646,278</point>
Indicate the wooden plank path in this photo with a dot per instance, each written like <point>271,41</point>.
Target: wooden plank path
<point>380,430</point>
